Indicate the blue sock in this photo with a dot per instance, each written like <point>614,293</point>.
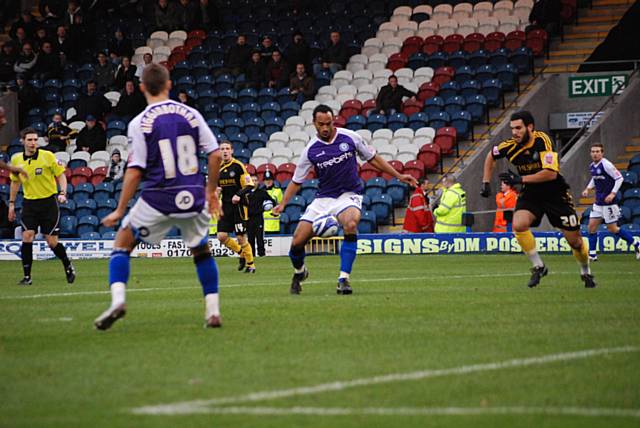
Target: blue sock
<point>296,254</point>
<point>119,266</point>
<point>207,273</point>
<point>348,253</point>
<point>593,242</point>
<point>625,235</point>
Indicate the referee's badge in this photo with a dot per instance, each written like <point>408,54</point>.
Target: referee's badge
<point>38,171</point>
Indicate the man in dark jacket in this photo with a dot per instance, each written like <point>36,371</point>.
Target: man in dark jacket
<point>48,65</point>
<point>298,51</point>
<point>389,99</point>
<point>27,99</point>
<point>255,74</point>
<point>301,86</point>
<point>120,45</point>
<point>238,56</point>
<point>255,225</point>
<point>92,137</point>
<point>125,71</point>
<point>103,73</point>
<point>277,73</point>
<point>59,134</point>
<point>8,58</point>
<point>335,56</point>
<point>92,103</point>
<point>131,102</point>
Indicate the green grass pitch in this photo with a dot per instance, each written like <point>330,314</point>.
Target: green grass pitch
<point>442,341</point>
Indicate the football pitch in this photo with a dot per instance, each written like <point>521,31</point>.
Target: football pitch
<point>442,341</point>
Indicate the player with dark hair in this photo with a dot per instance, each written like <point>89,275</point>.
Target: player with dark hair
<point>332,154</point>
<point>606,179</point>
<point>165,140</point>
<point>544,191</point>
<point>44,174</point>
<point>235,185</point>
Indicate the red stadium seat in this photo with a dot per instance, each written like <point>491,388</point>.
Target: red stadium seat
<point>81,175</point>
<point>515,40</point>
<point>367,106</point>
<point>350,108</point>
<point>537,42</point>
<point>452,43</point>
<point>67,173</point>
<point>446,138</point>
<point>192,43</point>
<point>494,41</point>
<point>396,61</point>
<point>432,44</point>
<point>285,171</point>
<point>473,42</point>
<point>5,176</point>
<point>429,155</point>
<point>397,165</point>
<point>412,106</point>
<point>197,34</point>
<point>97,178</point>
<point>415,168</point>
<point>412,45</point>
<point>428,90</point>
<point>442,75</point>
<point>339,121</point>
<point>250,169</point>
<point>311,175</point>
<point>368,171</point>
<point>264,167</point>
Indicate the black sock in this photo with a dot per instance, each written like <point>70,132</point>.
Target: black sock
<point>61,253</point>
<point>27,257</point>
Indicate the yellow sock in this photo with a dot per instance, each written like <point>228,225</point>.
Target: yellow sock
<point>526,241</point>
<point>582,256</point>
<point>247,253</point>
<point>233,245</point>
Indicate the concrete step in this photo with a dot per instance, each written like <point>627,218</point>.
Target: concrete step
<point>566,68</point>
<point>587,44</point>
<point>611,3</point>
<point>570,52</point>
<point>588,29</point>
<point>586,201</point>
<point>620,165</point>
<point>600,35</point>
<point>608,11</point>
<point>632,149</point>
<point>566,60</point>
<point>635,140</point>
<point>602,19</point>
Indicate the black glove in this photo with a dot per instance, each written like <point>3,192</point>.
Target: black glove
<point>511,178</point>
<point>486,189</point>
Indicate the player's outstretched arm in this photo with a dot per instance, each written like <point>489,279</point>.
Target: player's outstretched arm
<point>213,160</point>
<point>489,165</point>
<point>382,165</point>
<point>132,179</point>
<point>13,193</point>
<point>13,169</point>
<point>292,189</point>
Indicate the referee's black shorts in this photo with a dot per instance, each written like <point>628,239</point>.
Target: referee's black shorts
<point>558,206</point>
<point>234,219</point>
<point>43,213</point>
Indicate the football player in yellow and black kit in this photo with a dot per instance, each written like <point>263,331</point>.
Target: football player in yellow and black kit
<point>235,184</point>
<point>544,191</point>
<point>44,173</point>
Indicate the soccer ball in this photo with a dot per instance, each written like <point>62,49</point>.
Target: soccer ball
<point>325,226</point>
<point>267,205</point>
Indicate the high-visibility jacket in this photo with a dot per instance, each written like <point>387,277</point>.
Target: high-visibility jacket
<point>271,220</point>
<point>504,201</point>
<point>418,217</point>
<point>453,204</point>
<point>213,226</point>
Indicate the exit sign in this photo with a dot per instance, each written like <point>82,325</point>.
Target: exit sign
<point>596,86</point>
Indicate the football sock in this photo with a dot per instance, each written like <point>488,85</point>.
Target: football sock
<point>208,275</point>
<point>233,245</point>
<point>247,253</point>
<point>27,258</point>
<point>593,243</point>
<point>626,236</point>
<point>528,244</point>
<point>582,256</point>
<point>296,254</point>
<point>212,305</point>
<point>61,253</point>
<point>348,254</point>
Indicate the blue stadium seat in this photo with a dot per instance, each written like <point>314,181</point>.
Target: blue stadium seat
<point>109,235</point>
<point>283,96</point>
<point>68,208</point>
<point>368,222</point>
<point>249,110</point>
<point>433,105</point>
<point>105,207</point>
<point>90,236</point>
<point>86,207</point>
<point>477,107</point>
<point>102,191</point>
<point>116,127</point>
<point>216,125</point>
<point>499,57</point>
<point>266,95</point>
<point>233,126</point>
<point>463,74</point>
<point>248,95</point>
<point>309,194</point>
<point>322,78</point>
<point>204,83</point>
<point>477,59</point>
<point>454,104</point>
<point>253,126</point>
<point>181,69</point>
<point>417,60</point>
<point>418,120</point>
<point>289,109</point>
<point>4,190</point>
<point>185,82</point>
<point>457,59</point>
<point>376,121</point>
<point>310,184</point>
<point>437,60</point>
<point>269,110</point>
<point>223,82</point>
<point>492,91</point>
<point>356,122</point>
<point>522,59</point>
<point>448,90</point>
<point>397,121</point>
<point>508,75</point>
<point>462,121</point>
<point>631,198</point>
<point>227,96</point>
<point>439,120</point>
<point>295,207</point>
<point>397,191</point>
<point>257,140</point>
<point>382,205</point>
<point>68,226</point>
<point>230,111</point>
<point>629,180</point>
<point>485,72</point>
<point>82,192</point>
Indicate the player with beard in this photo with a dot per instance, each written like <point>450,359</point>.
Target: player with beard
<point>544,191</point>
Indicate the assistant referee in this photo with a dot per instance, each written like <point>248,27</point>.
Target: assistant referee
<point>40,206</point>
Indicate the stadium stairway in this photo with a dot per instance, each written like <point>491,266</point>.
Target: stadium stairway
<point>580,40</point>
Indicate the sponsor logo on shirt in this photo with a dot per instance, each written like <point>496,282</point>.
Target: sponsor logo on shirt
<point>184,200</point>
<point>335,160</point>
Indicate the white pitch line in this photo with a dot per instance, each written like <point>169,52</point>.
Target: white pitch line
<point>436,277</point>
<point>197,406</point>
<point>420,411</point>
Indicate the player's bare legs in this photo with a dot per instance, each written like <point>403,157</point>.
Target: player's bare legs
<point>238,246</point>
<point>302,235</point>
<point>581,253</point>
<point>119,266</point>
<point>522,220</point>
<point>58,249</point>
<point>349,220</point>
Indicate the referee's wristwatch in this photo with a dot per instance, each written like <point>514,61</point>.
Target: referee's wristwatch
<point>62,192</point>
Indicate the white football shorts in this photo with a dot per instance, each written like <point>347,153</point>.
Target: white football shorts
<point>331,206</point>
<point>152,226</point>
<point>609,213</point>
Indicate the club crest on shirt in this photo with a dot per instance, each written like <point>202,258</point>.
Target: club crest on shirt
<point>548,159</point>
<point>184,200</point>
<point>38,171</point>
<point>232,173</point>
<point>496,151</point>
<point>344,147</point>
<point>598,171</point>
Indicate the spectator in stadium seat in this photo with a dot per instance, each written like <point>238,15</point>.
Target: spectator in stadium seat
<point>120,45</point>
<point>125,71</point>
<point>418,217</point>
<point>277,72</point>
<point>266,49</point>
<point>147,59</point>
<point>92,137</point>
<point>186,14</point>
<point>505,199</point>
<point>390,97</point>
<point>238,56</point>
<point>8,58</point>
<point>59,134</point>
<point>40,38</point>
<point>49,13</point>
<point>48,65</point>
<point>20,38</point>
<point>335,56</point>
<point>298,51</point>
<point>26,22</point>
<point>92,103</point>
<point>184,98</point>
<point>73,9</point>
<point>546,14</point>
<point>116,167</point>
<point>165,16</point>
<point>27,99</point>
<point>301,86</point>
<point>26,61</point>
<point>103,73</point>
<point>63,43</point>
<point>453,204</point>
<point>83,39</point>
<point>131,102</point>
<point>255,74</point>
